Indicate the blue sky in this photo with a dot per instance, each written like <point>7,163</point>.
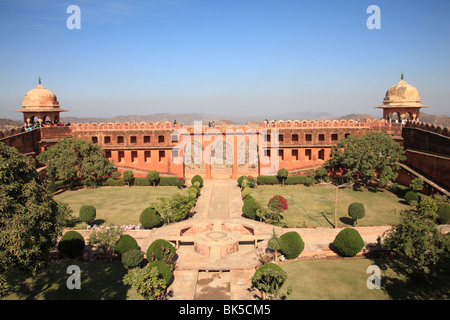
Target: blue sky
<point>229,57</point>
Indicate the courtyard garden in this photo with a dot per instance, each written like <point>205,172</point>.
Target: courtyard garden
<point>115,205</point>
<point>313,206</point>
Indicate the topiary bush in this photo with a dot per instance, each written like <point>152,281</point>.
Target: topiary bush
<point>443,213</point>
<point>356,211</point>
<point>164,270</point>
<point>246,192</point>
<point>291,245</point>
<point>153,177</point>
<point>411,196</point>
<point>240,179</point>
<point>197,178</point>
<point>194,189</point>
<point>71,244</point>
<point>161,249</point>
<point>133,258</point>
<point>150,218</point>
<point>87,214</point>
<point>124,244</point>
<point>348,242</point>
<point>249,208</point>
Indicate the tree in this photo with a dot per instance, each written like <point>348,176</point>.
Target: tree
<point>30,219</point>
<point>268,279</point>
<point>373,157</point>
<point>356,211</point>
<point>153,177</point>
<point>274,243</point>
<point>128,176</point>
<point>282,174</point>
<point>417,238</point>
<point>74,159</point>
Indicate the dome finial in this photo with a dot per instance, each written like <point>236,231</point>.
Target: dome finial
<point>39,80</point>
<point>402,76</point>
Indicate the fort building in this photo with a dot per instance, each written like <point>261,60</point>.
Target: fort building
<point>229,151</point>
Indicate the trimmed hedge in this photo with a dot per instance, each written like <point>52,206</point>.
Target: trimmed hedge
<point>71,244</point>
<point>157,249</point>
<point>267,180</point>
<point>295,180</point>
<point>87,213</point>
<point>274,180</point>
<point>168,181</point>
<point>348,242</point>
<point>124,244</point>
<point>139,181</point>
<point>291,245</point>
<point>150,218</point>
<point>110,182</point>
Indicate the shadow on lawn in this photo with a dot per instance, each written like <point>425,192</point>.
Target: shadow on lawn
<point>414,286</point>
<point>99,281</point>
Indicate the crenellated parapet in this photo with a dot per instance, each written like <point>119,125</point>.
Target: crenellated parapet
<point>328,123</point>
<point>11,132</point>
<point>428,127</point>
<point>124,126</point>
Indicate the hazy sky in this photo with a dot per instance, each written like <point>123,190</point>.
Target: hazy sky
<point>224,57</point>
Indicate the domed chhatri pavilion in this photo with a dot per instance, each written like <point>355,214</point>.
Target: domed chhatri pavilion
<point>402,99</point>
<point>40,105</point>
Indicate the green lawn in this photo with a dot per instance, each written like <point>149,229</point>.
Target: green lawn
<point>116,205</point>
<point>314,206</point>
<point>347,280</point>
<point>99,281</point>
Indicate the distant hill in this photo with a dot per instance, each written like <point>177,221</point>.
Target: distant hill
<point>442,120</point>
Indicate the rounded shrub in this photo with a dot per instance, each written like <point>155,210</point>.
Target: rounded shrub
<point>246,192</point>
<point>71,244</point>
<point>150,218</point>
<point>87,213</point>
<point>240,179</point>
<point>291,245</point>
<point>443,213</point>
<point>348,242</point>
<point>356,211</point>
<point>133,258</point>
<point>196,184</point>
<point>197,178</point>
<point>124,244</point>
<point>164,270</point>
<point>249,208</point>
<point>160,249</point>
<point>193,189</point>
<point>411,196</point>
